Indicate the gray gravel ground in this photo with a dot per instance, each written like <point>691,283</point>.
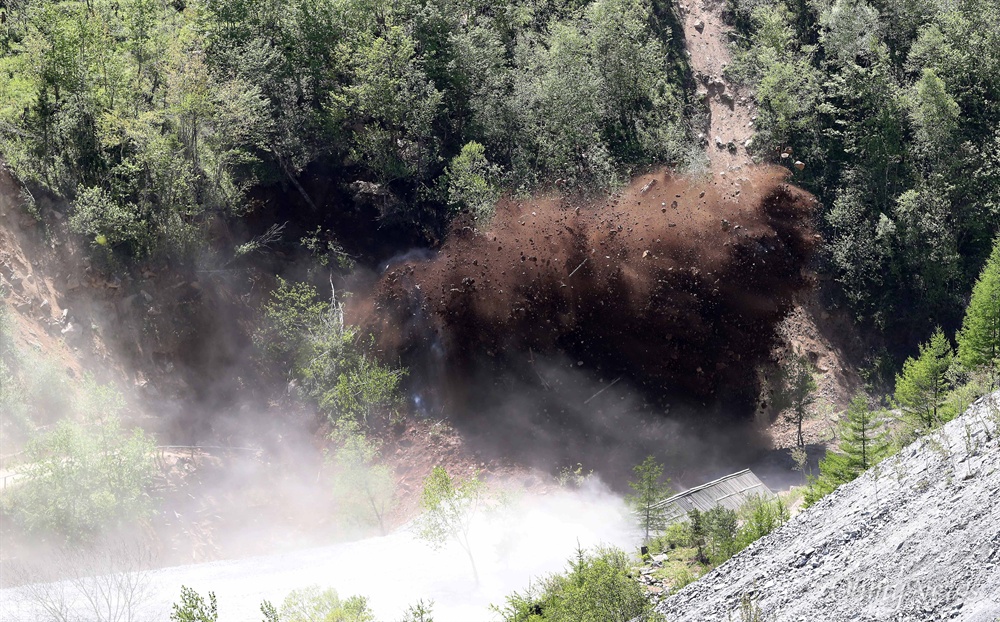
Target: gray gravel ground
<point>915,538</point>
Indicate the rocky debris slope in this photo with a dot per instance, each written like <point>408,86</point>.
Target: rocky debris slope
<point>915,538</point>
<point>729,129</point>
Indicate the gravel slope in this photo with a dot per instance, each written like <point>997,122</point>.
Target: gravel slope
<point>915,538</point>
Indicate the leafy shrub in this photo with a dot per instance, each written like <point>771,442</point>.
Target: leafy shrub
<point>676,534</point>
<point>326,356</point>
<point>595,588</point>
<point>109,225</point>
<point>81,479</point>
<point>314,604</point>
<point>194,608</point>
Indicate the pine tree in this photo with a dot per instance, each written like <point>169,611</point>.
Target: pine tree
<point>979,339</point>
<point>922,386</point>
<point>649,491</point>
<point>863,439</point>
<point>862,444</point>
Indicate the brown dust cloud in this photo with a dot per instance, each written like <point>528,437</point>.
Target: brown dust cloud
<point>588,315</point>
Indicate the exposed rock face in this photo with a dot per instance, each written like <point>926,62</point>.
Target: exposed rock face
<point>915,538</point>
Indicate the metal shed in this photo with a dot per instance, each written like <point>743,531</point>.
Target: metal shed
<point>731,491</point>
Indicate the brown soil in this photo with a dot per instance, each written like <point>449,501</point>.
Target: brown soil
<point>731,110</point>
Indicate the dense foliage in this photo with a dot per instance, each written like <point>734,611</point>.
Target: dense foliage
<point>595,588</point>
<point>84,478</point>
<point>893,106</point>
<point>306,334</point>
<point>154,118</point>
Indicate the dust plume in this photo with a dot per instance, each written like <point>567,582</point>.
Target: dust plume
<point>536,535</point>
<point>674,284</point>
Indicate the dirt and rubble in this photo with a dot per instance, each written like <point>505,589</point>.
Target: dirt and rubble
<point>676,283</point>
<point>915,538</point>
<point>728,130</point>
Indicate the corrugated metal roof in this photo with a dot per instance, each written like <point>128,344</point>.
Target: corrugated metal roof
<point>731,491</point>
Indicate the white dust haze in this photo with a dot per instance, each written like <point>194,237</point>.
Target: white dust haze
<point>534,536</point>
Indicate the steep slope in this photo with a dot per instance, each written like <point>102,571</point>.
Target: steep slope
<point>915,538</point>
<point>730,112</point>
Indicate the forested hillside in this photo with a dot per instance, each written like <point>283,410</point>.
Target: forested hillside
<point>152,118</point>
<point>894,108</point>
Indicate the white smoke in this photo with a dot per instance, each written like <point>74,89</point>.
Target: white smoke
<point>537,535</point>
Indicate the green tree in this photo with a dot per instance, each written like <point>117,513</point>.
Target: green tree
<point>720,526</point>
<point>269,612</point>
<point>759,517</point>
<point>921,388</point>
<point>798,393</point>
<point>597,587</point>
<point>649,490</point>
<point>194,608</point>
<point>862,444</point>
<point>696,520</point>
<point>419,612</point>
<point>365,490</point>
<point>448,511</point>
<point>979,338</point>
<point>327,356</point>
<point>82,479</point>
<point>397,106</point>
<point>935,113</point>
<point>315,604</point>
<point>473,182</point>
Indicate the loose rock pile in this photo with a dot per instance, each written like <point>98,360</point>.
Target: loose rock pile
<point>915,538</point>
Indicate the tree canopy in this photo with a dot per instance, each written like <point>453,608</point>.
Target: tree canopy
<point>922,386</point>
<point>892,106</point>
<point>979,339</point>
<point>153,118</point>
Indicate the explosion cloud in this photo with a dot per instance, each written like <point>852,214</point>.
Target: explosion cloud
<point>676,284</point>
